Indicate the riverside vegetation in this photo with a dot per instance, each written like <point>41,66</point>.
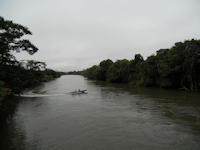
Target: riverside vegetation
<point>177,67</point>
<point>16,75</point>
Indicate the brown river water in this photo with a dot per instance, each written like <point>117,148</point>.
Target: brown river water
<point>108,117</point>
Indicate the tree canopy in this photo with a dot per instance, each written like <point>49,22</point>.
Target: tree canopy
<point>11,42</point>
<point>176,67</point>
<point>16,75</point>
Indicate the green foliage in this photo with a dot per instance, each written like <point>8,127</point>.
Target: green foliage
<point>35,65</point>
<point>118,71</point>
<point>177,67</point>
<point>134,69</point>
<point>74,73</point>
<point>3,92</point>
<point>100,74</point>
<point>18,75</point>
<point>191,62</point>
<point>148,72</point>
<point>17,78</point>
<point>90,72</point>
<point>46,78</point>
<point>101,71</point>
<point>10,42</point>
<point>163,67</point>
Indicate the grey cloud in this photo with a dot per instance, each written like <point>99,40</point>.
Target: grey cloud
<point>75,35</point>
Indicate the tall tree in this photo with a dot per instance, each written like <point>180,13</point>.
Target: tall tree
<point>11,42</point>
<point>149,72</point>
<point>134,69</point>
<point>191,63</point>
<point>101,71</point>
<point>118,71</point>
<point>163,60</point>
<point>35,65</point>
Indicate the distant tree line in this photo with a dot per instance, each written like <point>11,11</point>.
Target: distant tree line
<point>177,67</point>
<point>73,73</point>
<point>15,75</point>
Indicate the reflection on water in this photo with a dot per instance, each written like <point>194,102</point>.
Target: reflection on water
<point>110,116</point>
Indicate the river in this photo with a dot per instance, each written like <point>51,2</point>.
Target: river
<point>108,117</point>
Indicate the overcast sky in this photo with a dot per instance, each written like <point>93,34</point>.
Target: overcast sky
<point>77,34</point>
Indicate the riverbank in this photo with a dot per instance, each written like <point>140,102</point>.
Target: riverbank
<point>175,67</point>
<point>8,101</point>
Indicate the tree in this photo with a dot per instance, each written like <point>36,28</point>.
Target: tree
<point>163,60</point>
<point>100,73</point>
<point>149,72</point>
<point>176,59</point>
<point>177,67</point>
<point>191,64</point>
<point>90,72</point>
<point>35,65</point>
<point>118,71</point>
<point>3,91</point>
<point>10,42</point>
<point>134,69</point>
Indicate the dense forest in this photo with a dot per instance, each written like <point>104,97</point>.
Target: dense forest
<point>177,67</point>
<point>16,75</point>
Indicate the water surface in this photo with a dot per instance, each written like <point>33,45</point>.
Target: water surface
<point>110,116</point>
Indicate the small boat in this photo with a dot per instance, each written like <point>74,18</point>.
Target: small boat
<point>78,92</point>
